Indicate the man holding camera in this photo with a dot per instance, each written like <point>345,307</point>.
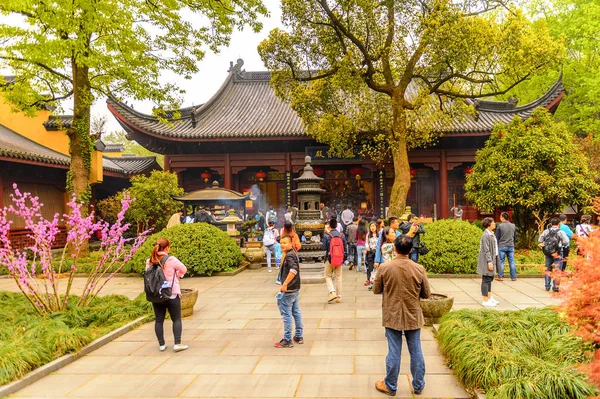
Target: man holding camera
<point>413,229</point>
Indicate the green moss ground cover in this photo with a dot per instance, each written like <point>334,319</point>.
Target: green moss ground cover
<point>526,354</point>
<point>28,341</point>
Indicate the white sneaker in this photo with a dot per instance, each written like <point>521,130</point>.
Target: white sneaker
<point>179,347</point>
<point>162,348</point>
<point>488,304</point>
<point>494,301</point>
<point>270,270</point>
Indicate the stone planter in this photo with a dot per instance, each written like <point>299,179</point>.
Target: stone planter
<point>435,307</point>
<point>254,254</point>
<point>189,296</point>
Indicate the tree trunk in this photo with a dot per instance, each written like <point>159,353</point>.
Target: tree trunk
<point>401,185</point>
<point>80,143</point>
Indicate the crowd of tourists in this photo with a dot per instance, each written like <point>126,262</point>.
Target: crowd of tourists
<point>388,255</point>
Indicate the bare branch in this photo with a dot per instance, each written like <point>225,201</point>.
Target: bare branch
<point>481,94</point>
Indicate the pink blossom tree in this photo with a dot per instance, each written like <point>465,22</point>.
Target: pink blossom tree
<point>44,293</point>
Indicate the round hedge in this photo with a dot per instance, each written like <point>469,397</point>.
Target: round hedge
<point>453,247</point>
<point>204,249</point>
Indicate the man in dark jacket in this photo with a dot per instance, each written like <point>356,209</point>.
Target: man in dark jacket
<point>413,229</point>
<point>288,299</point>
<point>402,282</point>
<point>201,216</point>
<point>333,272</point>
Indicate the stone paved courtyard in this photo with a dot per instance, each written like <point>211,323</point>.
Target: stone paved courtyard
<point>231,338</point>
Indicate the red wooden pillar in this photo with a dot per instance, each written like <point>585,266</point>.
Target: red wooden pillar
<point>227,176</point>
<point>167,166</point>
<point>443,186</point>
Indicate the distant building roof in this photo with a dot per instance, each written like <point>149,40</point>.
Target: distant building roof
<point>246,107</point>
<point>58,122</point>
<point>15,146</point>
<point>114,147</point>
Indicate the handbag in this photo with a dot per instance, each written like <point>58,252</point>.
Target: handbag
<point>423,250</point>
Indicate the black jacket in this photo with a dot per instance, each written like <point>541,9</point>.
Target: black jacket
<point>290,262</point>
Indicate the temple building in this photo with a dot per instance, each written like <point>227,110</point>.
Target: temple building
<point>244,136</point>
<point>34,154</point>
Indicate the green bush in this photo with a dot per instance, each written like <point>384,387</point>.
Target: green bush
<point>526,354</point>
<point>453,247</point>
<point>204,249</point>
<point>28,341</point>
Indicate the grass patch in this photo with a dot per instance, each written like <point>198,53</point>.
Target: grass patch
<point>28,341</point>
<point>526,354</point>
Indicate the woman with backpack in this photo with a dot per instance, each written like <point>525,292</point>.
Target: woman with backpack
<point>371,248</point>
<point>269,241</point>
<point>173,270</point>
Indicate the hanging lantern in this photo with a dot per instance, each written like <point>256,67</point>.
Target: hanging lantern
<point>260,175</point>
<point>318,171</point>
<point>468,170</point>
<point>357,172</point>
<point>413,172</point>
<point>205,175</point>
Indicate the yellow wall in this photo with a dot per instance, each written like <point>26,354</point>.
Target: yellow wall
<point>33,128</point>
<point>96,173</point>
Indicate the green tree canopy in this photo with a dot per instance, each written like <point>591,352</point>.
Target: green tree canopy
<point>82,49</point>
<point>532,166</point>
<point>387,76</point>
<point>576,23</point>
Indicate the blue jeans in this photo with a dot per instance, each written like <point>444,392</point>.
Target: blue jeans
<point>552,263</point>
<point>359,252</point>
<point>392,360</point>
<point>269,250</point>
<point>289,306</point>
<point>414,255</point>
<point>509,252</point>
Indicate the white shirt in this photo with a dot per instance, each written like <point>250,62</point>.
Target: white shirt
<point>582,229</point>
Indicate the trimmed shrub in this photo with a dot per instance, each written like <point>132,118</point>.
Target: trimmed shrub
<point>526,354</point>
<point>453,247</point>
<point>204,249</point>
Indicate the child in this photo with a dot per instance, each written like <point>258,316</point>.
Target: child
<point>288,298</point>
<point>387,250</point>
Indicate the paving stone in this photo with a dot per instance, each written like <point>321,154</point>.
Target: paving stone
<point>321,348</point>
<point>247,385</point>
<point>209,365</point>
<point>266,348</point>
<point>135,385</point>
<point>245,335</point>
<point>305,365</point>
<point>59,385</point>
<point>442,387</point>
<point>118,348</point>
<point>196,348</point>
<point>326,386</point>
<point>115,365</point>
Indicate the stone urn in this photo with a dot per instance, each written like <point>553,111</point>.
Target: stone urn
<point>435,307</point>
<point>254,254</point>
<point>189,296</point>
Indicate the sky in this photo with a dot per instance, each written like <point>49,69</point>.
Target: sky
<point>213,68</point>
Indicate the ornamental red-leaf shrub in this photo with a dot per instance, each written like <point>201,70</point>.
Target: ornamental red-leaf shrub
<point>581,295</point>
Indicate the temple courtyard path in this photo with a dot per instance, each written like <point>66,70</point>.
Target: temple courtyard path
<point>231,336</point>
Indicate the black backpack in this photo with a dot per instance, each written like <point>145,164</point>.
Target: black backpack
<point>551,242</point>
<point>156,286</point>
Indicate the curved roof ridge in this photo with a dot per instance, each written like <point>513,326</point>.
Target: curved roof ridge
<point>185,114</point>
<point>556,88</point>
<point>207,105</point>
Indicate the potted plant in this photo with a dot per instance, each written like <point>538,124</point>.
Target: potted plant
<point>435,307</point>
<point>189,296</point>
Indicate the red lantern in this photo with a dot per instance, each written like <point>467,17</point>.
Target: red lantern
<point>260,175</point>
<point>413,172</point>
<point>318,171</point>
<point>205,175</point>
<point>357,172</point>
<point>468,170</point>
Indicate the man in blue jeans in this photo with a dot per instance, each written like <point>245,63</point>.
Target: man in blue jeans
<point>506,234</point>
<point>402,282</point>
<point>288,298</point>
<point>552,240</point>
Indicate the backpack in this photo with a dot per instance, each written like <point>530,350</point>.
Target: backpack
<point>551,242</point>
<point>156,287</point>
<point>269,238</point>
<point>336,250</point>
<point>272,216</point>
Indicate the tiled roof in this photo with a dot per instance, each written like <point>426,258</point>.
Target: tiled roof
<point>58,122</point>
<point>130,165</point>
<point>114,147</point>
<point>13,145</point>
<point>246,106</point>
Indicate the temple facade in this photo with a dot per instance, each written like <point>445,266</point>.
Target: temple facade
<point>244,136</point>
